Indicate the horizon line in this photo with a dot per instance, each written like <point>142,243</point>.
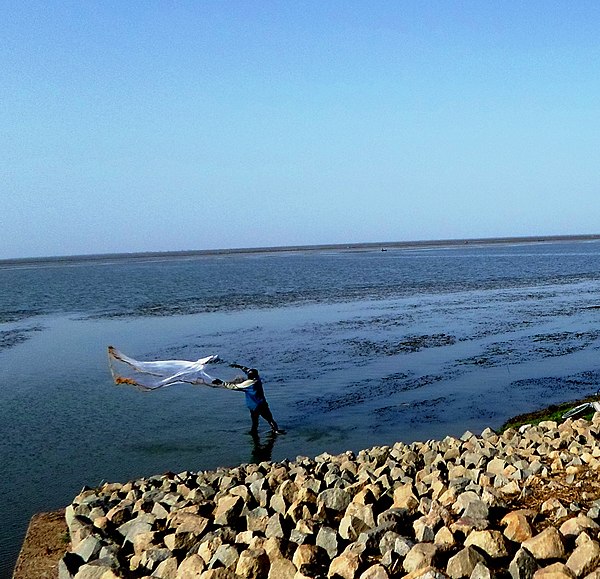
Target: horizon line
<point>310,247</point>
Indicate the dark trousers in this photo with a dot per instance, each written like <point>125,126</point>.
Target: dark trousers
<point>262,410</point>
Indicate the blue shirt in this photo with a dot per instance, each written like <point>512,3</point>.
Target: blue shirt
<point>255,395</point>
<point>253,389</point>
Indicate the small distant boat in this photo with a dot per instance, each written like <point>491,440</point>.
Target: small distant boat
<point>383,249</point>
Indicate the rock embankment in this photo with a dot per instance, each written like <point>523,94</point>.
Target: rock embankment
<point>520,504</point>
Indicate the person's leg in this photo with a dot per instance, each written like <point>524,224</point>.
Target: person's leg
<point>265,412</point>
<point>254,415</point>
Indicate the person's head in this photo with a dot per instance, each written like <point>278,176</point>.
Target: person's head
<point>253,373</point>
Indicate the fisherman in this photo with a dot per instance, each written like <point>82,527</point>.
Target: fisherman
<point>255,397</point>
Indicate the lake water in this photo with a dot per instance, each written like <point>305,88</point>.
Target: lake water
<point>356,348</point>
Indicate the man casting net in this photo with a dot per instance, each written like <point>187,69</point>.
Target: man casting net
<point>159,373</point>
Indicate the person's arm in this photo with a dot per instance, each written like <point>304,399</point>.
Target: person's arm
<point>244,369</point>
<point>233,385</point>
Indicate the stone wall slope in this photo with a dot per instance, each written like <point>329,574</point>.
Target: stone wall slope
<point>519,504</point>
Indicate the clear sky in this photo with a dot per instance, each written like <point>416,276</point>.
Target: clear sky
<point>164,126</point>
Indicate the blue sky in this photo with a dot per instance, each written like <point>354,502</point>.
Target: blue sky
<point>164,126</point>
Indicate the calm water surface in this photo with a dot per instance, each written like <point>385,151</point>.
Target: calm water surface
<point>355,349</point>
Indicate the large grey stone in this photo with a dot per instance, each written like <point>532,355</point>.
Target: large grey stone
<point>151,558</point>
<point>95,569</point>
<point>372,537</point>
<point>491,542</point>
<point>523,565</point>
<point>481,571</point>
<point>424,530</point>
<point>89,548</point>
<point>334,499</point>
<point>469,504</point>
<point>79,529</point>
<point>463,563</point>
<point>141,524</point>
<point>400,517</point>
<point>278,504</point>
<point>328,539</point>
<point>299,537</point>
<point>392,541</point>
<point>225,556</point>
<point>276,527</point>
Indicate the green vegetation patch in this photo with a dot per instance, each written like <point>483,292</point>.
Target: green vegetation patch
<point>553,412</point>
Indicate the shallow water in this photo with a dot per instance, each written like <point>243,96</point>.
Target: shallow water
<point>355,349</point>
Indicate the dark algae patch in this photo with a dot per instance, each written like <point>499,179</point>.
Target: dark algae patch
<point>527,348</point>
<point>10,338</point>
<point>408,345</point>
<point>11,316</point>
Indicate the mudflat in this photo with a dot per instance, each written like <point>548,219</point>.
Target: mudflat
<point>45,543</point>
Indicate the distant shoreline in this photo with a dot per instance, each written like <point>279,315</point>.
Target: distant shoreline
<point>436,243</point>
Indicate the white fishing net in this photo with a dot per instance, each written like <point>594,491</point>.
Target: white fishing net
<point>159,373</point>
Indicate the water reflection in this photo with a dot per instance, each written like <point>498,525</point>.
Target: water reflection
<point>262,447</point>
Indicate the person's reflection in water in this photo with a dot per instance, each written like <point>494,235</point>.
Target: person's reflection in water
<point>262,450</point>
